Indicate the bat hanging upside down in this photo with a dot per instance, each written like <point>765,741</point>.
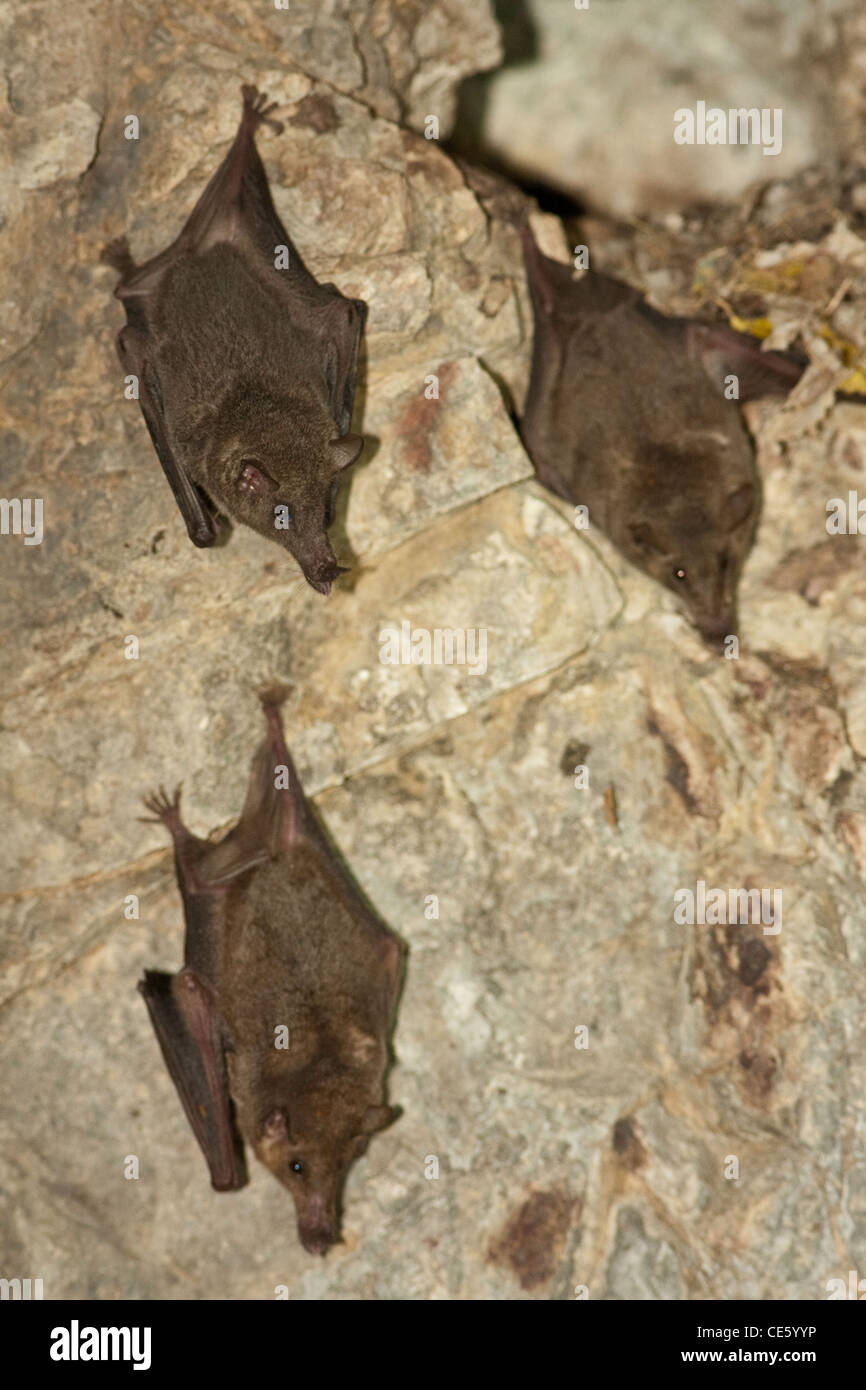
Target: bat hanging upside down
<point>275,1032</point>
<point>245,364</point>
<point>626,414</point>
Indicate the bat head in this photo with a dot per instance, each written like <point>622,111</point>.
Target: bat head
<point>697,524</point>
<point>277,468</point>
<point>311,1145</point>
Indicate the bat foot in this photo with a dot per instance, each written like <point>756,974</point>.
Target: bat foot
<point>271,698</point>
<point>273,694</point>
<point>256,109</point>
<point>118,255</point>
<point>165,811</point>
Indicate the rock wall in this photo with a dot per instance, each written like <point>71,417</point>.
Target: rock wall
<point>583,79</point>
<point>583,1068</point>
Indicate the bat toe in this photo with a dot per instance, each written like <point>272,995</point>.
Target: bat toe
<point>258,109</point>
<point>118,255</point>
<point>163,807</point>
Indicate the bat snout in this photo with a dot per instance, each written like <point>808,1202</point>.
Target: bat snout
<point>318,1241</point>
<point>321,582</point>
<point>714,628</point>
<point>318,1226</point>
<point>321,575</point>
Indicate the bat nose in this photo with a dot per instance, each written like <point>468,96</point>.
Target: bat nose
<point>714,628</point>
<point>323,575</point>
<point>318,1226</point>
<point>318,1240</point>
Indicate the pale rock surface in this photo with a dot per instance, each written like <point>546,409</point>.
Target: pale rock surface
<point>608,1165</point>
<point>591,110</point>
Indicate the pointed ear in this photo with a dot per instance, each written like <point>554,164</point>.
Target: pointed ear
<point>344,451</point>
<point>254,480</point>
<point>378,1117</point>
<point>738,506</point>
<point>276,1126</point>
<point>361,1047</point>
<point>275,1132</point>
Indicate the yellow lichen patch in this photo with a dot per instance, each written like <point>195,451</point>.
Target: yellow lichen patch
<point>759,328</point>
<point>855,384</point>
<point>846,350</point>
<point>849,353</point>
<point>778,279</point>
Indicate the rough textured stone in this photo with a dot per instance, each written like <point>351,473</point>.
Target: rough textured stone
<point>586,99</point>
<point>559,1166</point>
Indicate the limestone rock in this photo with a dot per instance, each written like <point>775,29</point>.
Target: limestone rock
<point>595,1094</point>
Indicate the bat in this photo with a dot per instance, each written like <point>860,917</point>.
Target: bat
<point>626,413</point>
<point>279,948</point>
<point>245,364</point>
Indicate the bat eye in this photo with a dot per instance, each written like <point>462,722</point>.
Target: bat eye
<point>296,1166</point>
<point>678,574</point>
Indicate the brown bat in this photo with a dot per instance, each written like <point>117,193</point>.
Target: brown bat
<point>626,414</point>
<point>246,365</point>
<point>277,938</point>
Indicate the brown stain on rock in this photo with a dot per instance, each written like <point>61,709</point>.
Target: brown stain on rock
<point>735,974</point>
<point>418,422</point>
<point>803,712</point>
<point>850,826</point>
<point>820,569</point>
<point>316,112</point>
<point>573,755</point>
<point>676,769</point>
<point>753,961</point>
<point>532,1240</point>
<point>627,1144</point>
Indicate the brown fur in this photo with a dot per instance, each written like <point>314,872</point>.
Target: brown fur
<point>279,936</point>
<point>626,414</point>
<point>246,371</point>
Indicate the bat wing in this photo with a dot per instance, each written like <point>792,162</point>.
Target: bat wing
<point>237,206</point>
<point>276,815</point>
<point>564,305</point>
<point>278,819</point>
<point>340,327</point>
<point>190,1035</point>
<point>132,351</point>
<point>580,322</point>
<point>573,318</point>
<point>292,822</point>
<point>722,352</point>
<point>563,300</point>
